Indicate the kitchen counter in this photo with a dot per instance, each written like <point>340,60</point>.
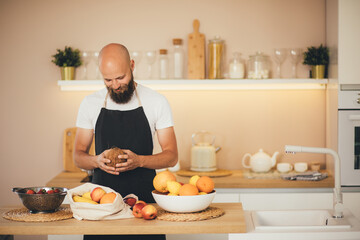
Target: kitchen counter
<point>232,222</point>
<point>236,180</point>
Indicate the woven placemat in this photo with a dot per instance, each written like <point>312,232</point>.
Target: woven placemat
<point>272,174</point>
<point>216,173</point>
<point>208,213</point>
<point>24,215</point>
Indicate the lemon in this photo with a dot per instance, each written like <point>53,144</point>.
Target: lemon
<point>173,187</point>
<point>172,194</point>
<point>194,179</point>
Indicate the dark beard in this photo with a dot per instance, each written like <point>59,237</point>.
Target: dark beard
<point>125,94</point>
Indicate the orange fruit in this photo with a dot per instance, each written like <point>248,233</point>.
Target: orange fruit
<point>188,190</point>
<point>161,179</point>
<point>108,198</point>
<point>205,184</point>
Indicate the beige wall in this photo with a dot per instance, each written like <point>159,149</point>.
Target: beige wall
<point>35,112</point>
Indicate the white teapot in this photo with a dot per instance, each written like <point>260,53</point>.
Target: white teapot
<point>260,161</point>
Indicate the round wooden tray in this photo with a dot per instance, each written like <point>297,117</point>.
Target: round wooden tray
<point>216,173</point>
<point>208,213</point>
<point>24,215</point>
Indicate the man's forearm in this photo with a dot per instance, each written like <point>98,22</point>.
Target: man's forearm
<point>85,161</point>
<point>164,159</point>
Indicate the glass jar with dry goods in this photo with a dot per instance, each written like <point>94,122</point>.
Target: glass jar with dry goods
<point>259,66</point>
<point>178,59</point>
<point>163,64</point>
<point>236,67</point>
<point>216,58</point>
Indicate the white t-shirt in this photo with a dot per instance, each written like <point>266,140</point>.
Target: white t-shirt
<point>156,108</point>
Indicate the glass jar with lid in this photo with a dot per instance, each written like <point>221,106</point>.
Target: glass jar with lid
<point>236,67</point>
<point>163,64</point>
<point>178,59</point>
<point>216,58</point>
<point>259,66</point>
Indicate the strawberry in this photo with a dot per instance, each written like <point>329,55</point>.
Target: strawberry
<point>56,190</point>
<point>41,191</point>
<point>50,191</point>
<point>30,191</point>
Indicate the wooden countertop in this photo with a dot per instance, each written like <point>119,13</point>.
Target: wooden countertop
<point>232,222</point>
<point>236,180</point>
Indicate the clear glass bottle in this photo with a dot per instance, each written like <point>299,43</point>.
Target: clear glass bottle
<point>216,58</point>
<point>178,60</point>
<point>236,67</point>
<point>259,66</point>
<point>163,64</point>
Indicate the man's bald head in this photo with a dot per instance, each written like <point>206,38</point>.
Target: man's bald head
<point>113,55</point>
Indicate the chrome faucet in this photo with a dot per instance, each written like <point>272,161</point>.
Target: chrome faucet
<point>338,202</point>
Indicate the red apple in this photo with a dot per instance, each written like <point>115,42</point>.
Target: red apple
<point>97,193</point>
<point>130,201</point>
<point>137,208</point>
<point>149,212</point>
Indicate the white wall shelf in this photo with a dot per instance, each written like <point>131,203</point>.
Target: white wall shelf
<point>204,84</point>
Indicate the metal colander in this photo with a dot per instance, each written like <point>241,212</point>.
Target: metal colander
<point>45,203</point>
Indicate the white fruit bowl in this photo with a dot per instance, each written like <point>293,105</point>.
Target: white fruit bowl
<point>183,204</point>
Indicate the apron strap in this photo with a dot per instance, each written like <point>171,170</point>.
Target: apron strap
<point>107,94</point>
<point>137,96</point>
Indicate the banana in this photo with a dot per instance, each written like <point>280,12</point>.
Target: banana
<point>87,195</point>
<point>82,199</point>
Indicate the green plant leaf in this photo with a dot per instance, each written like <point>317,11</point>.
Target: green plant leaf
<point>316,56</point>
<point>67,58</point>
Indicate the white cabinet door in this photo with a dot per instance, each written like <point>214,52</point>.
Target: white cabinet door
<point>349,39</point>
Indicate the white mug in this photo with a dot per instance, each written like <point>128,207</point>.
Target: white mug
<point>284,167</point>
<point>300,166</point>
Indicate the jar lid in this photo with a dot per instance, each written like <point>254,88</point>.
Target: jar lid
<point>217,39</point>
<point>163,51</point>
<point>177,41</point>
<point>259,55</point>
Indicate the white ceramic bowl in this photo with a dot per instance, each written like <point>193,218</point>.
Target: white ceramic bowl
<point>183,204</point>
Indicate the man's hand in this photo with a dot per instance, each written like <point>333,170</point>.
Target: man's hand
<point>132,161</point>
<point>101,163</point>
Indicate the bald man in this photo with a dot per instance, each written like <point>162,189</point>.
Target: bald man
<point>126,115</point>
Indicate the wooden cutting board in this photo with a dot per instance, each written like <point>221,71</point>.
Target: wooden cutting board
<point>196,53</point>
<point>68,149</point>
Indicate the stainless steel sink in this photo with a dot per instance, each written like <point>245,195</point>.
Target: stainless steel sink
<point>297,220</point>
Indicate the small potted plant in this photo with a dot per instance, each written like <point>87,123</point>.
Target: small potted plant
<point>318,59</point>
<point>67,59</point>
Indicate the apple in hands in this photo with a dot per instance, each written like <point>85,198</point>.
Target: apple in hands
<point>149,212</point>
<point>139,205</point>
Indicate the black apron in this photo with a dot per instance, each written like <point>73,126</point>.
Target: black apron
<point>126,130</point>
